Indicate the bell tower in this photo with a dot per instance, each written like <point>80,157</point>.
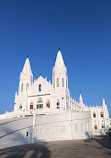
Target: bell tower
<point>59,73</point>
<point>60,83</point>
<point>26,78</point>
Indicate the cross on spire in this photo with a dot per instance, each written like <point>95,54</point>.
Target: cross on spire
<point>27,55</point>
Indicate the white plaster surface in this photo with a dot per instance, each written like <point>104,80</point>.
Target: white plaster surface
<point>64,119</point>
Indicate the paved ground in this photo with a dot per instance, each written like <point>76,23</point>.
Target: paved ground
<point>99,147</point>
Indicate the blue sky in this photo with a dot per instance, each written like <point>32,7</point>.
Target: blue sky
<point>82,29</point>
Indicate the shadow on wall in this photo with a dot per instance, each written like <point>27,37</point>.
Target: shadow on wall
<point>28,150</point>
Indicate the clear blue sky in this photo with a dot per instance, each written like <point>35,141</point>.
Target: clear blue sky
<point>81,28</point>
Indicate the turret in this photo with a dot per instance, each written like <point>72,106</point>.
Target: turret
<point>26,78</point>
<point>59,73</point>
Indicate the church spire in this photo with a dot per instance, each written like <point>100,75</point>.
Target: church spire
<point>26,78</point>
<point>59,73</point>
<point>59,64</point>
<point>27,67</point>
<point>59,60</point>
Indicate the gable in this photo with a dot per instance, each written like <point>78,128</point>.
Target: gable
<point>40,86</point>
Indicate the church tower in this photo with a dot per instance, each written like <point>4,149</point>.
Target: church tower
<point>60,82</point>
<point>26,78</point>
<point>25,81</point>
<point>59,73</point>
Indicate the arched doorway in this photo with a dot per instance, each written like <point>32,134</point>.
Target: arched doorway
<point>39,103</point>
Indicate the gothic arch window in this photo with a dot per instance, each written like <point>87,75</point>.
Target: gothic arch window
<point>31,105</point>
<point>58,104</point>
<point>48,103</point>
<point>62,82</point>
<point>27,86</point>
<point>27,134</point>
<point>94,114</point>
<point>57,82</point>
<point>101,114</point>
<point>31,80</point>
<point>95,127</point>
<point>22,87</point>
<point>39,103</point>
<point>20,107</point>
<point>39,87</point>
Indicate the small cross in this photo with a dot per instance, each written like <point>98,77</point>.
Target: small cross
<point>27,56</point>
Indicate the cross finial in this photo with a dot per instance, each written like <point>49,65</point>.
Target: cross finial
<point>59,48</point>
<point>27,55</point>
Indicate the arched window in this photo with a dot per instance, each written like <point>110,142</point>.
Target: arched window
<point>31,105</point>
<point>57,82</point>
<point>31,80</point>
<point>62,82</point>
<point>58,104</point>
<point>22,87</point>
<point>48,103</point>
<point>101,114</point>
<point>94,114</point>
<point>27,86</point>
<point>39,103</point>
<point>20,107</point>
<point>27,134</point>
<point>39,87</point>
<point>95,126</point>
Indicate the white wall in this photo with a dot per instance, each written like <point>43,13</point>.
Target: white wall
<point>44,128</point>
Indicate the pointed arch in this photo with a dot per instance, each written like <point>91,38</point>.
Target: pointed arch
<point>20,107</point>
<point>58,104</point>
<point>62,82</point>
<point>31,105</point>
<point>95,126</point>
<point>27,87</point>
<point>39,103</point>
<point>102,114</point>
<point>102,126</point>
<point>22,86</point>
<point>48,103</point>
<point>94,114</point>
<point>57,82</point>
<point>39,87</point>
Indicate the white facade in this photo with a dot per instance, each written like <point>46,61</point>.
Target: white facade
<point>51,104</point>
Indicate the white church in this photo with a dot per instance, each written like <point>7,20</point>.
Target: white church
<point>45,111</point>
